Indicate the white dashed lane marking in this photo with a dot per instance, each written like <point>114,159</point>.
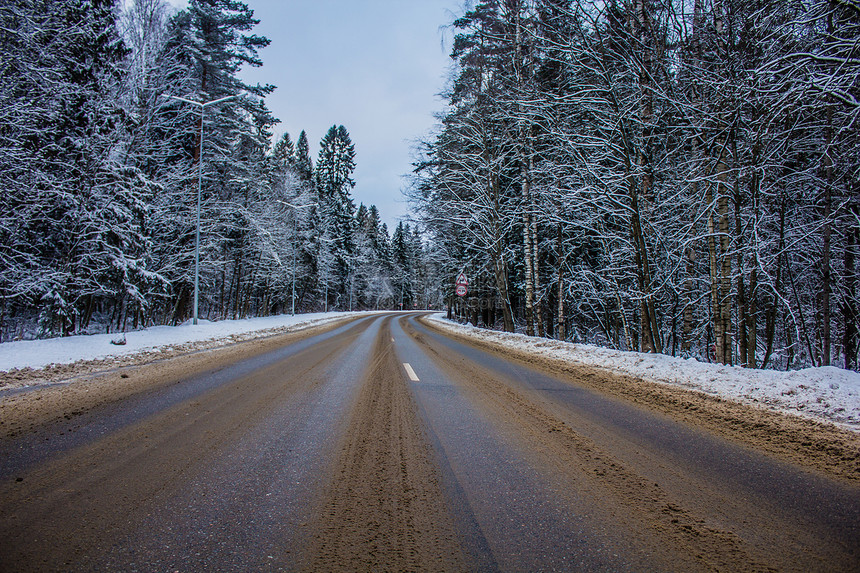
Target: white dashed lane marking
<point>410,372</point>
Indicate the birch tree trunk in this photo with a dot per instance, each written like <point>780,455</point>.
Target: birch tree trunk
<point>528,258</point>
<point>524,132</point>
<point>560,333</point>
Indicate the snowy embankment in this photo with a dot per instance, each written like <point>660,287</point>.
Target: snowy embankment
<point>824,394</point>
<point>41,353</point>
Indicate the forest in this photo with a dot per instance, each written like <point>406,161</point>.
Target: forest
<point>670,176</point>
<point>99,166</point>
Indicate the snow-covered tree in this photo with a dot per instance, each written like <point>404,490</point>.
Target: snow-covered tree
<point>334,183</point>
<point>681,173</point>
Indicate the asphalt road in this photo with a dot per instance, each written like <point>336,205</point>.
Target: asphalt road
<point>385,445</point>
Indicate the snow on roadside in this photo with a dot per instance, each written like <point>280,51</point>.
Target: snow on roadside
<point>41,353</point>
<point>824,394</point>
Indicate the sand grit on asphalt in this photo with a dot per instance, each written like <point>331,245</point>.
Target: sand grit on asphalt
<point>820,446</point>
<point>384,510</point>
<point>382,507</point>
<point>71,510</point>
<point>702,524</point>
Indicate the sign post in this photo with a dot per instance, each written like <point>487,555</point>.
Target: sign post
<point>462,285</point>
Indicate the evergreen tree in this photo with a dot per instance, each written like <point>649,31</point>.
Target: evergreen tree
<point>304,164</point>
<point>99,169</point>
<point>402,262</point>
<point>283,155</point>
<point>334,183</point>
<point>78,212</point>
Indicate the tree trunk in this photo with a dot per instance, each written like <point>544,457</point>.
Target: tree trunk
<point>651,339</point>
<point>648,320</point>
<point>826,231</point>
<point>180,310</point>
<point>752,291</point>
<point>716,307</point>
<point>690,256</point>
<point>687,343</point>
<point>237,284</point>
<point>850,314</point>
<point>525,182</point>
<point>741,293</point>
<point>530,289</point>
<point>726,267</point>
<point>560,333</point>
<point>720,261</point>
<point>88,311</point>
<point>752,339</point>
<point>501,273</point>
<point>222,311</point>
<point>772,312</point>
<point>627,337</point>
<point>538,305</point>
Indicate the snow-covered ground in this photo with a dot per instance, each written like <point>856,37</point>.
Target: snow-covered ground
<point>41,353</point>
<point>825,394</point>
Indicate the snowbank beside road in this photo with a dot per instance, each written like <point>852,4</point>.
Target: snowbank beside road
<point>42,353</point>
<point>827,394</point>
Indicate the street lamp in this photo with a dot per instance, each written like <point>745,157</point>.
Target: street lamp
<point>202,106</point>
<point>295,232</point>
<point>329,241</point>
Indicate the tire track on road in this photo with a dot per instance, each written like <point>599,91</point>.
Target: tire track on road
<point>67,513</point>
<point>697,539</point>
<point>826,448</point>
<point>385,510</point>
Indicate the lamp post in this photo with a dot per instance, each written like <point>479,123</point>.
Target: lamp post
<point>295,232</point>
<point>202,106</point>
<point>351,282</point>
<point>329,241</point>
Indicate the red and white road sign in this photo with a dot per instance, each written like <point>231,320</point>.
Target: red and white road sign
<point>462,285</point>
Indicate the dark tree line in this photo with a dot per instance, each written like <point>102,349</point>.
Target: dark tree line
<point>675,176</point>
<point>99,166</point>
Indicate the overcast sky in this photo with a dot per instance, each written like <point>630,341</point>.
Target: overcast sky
<point>373,66</point>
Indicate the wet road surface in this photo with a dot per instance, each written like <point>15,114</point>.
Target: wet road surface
<point>383,444</point>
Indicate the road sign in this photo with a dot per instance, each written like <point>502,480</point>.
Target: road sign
<point>462,284</point>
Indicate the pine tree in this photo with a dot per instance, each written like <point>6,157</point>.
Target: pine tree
<point>333,176</point>
<point>304,164</point>
<point>78,207</point>
<point>283,155</point>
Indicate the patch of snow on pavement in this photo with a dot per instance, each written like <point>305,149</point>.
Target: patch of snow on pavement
<point>824,394</point>
<point>42,353</point>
